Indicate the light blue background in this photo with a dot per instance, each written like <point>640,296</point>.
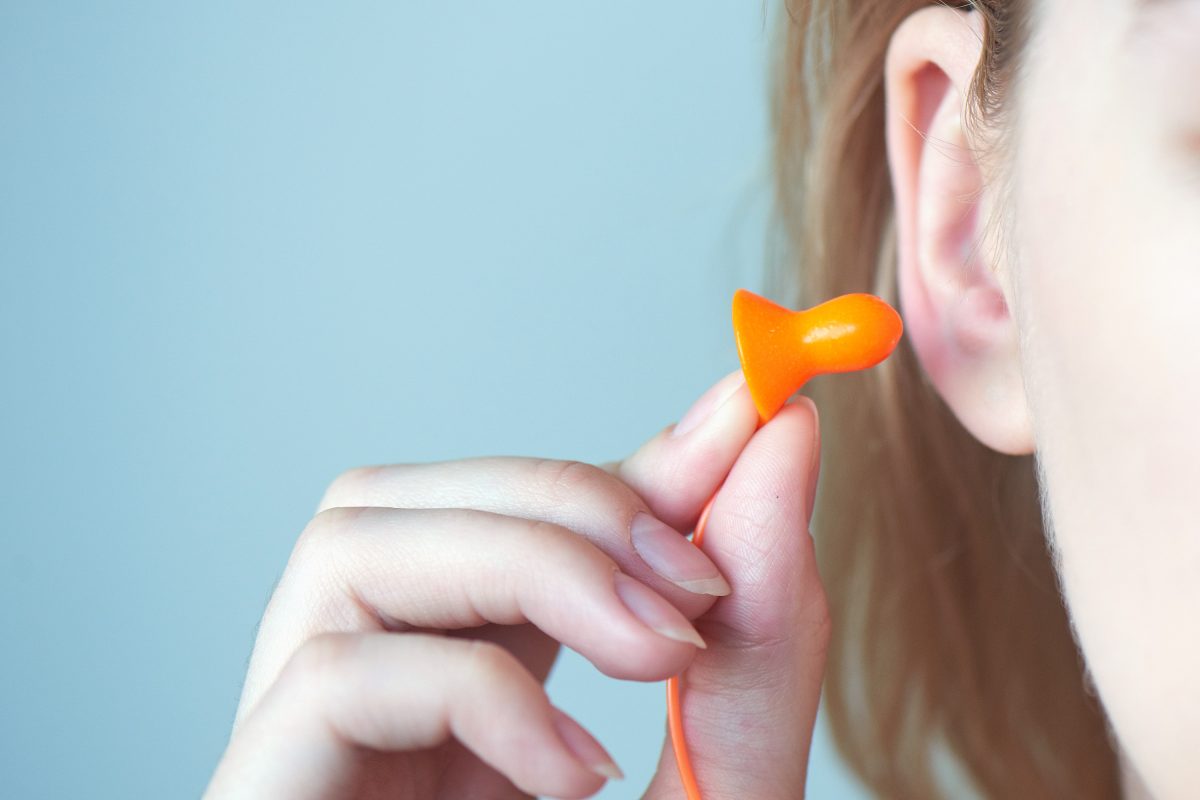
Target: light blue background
<point>246,246</point>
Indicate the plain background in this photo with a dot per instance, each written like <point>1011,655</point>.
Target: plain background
<point>246,246</point>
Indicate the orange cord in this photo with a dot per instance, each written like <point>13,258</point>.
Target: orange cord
<point>674,704</point>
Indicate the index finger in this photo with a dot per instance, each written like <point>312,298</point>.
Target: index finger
<point>572,494</point>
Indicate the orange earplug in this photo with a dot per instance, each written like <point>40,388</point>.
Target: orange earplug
<point>780,350</point>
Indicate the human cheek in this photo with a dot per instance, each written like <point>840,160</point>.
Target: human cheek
<point>1109,285</point>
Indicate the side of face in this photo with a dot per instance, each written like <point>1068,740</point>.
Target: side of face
<point>1083,342</point>
<point>1107,232</point>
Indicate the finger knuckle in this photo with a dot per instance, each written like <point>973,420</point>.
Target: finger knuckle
<point>569,481</point>
<point>349,484</point>
<point>565,478</point>
<point>543,535</point>
<point>321,550</point>
<point>489,663</point>
<point>322,660</point>
<point>323,531</point>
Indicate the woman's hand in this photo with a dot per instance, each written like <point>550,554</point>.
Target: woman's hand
<point>404,649</point>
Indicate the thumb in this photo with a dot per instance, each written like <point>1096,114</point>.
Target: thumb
<point>749,701</point>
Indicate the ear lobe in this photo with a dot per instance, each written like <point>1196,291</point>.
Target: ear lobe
<point>952,296</point>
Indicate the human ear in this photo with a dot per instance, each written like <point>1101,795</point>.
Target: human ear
<point>954,290</point>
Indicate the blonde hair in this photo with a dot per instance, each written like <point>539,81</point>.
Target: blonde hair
<point>950,634</point>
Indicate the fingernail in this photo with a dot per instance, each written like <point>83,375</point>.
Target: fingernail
<point>669,554</point>
<point>655,610</point>
<point>814,466</point>
<point>585,747</point>
<point>709,402</point>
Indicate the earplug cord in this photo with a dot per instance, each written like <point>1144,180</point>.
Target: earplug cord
<point>674,707</point>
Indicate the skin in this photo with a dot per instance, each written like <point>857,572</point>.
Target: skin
<point>404,649</point>
<point>1073,334</point>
